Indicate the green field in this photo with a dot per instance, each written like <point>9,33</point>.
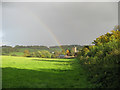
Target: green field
<point>23,72</point>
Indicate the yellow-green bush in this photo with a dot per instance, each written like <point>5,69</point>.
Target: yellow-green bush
<point>102,60</point>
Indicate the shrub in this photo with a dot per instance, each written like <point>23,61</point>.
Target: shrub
<point>102,60</point>
<point>27,53</point>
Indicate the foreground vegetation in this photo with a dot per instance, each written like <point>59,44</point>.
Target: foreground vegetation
<point>102,60</point>
<point>24,72</point>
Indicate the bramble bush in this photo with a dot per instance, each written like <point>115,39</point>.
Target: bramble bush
<point>102,60</point>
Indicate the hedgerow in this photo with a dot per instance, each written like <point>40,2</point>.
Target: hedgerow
<point>102,60</point>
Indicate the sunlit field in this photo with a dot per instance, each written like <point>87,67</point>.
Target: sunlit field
<point>23,72</point>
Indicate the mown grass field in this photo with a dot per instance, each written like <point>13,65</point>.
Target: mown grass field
<point>23,72</point>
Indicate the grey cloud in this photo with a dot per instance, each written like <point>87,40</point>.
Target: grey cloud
<point>71,23</point>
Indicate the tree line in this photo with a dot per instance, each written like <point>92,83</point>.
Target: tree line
<point>40,51</point>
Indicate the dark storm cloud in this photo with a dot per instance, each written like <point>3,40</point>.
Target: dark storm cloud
<point>71,23</point>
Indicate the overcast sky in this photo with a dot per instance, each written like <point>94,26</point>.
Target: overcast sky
<point>56,23</point>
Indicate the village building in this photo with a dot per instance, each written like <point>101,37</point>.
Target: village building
<point>68,53</point>
<point>75,49</point>
<point>62,56</point>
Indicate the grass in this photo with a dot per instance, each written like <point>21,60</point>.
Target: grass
<point>17,53</point>
<point>23,72</point>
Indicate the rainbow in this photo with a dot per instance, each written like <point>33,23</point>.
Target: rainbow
<point>44,26</point>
